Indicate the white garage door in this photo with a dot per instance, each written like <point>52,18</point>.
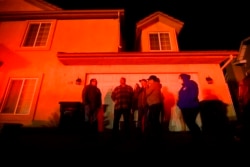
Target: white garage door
<point>170,87</point>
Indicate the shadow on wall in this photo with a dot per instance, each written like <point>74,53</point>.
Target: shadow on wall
<point>214,116</point>
<point>11,60</point>
<point>168,104</point>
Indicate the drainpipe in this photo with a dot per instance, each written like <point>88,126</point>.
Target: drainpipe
<point>120,36</point>
<point>228,61</point>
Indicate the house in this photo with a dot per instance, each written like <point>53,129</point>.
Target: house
<point>44,50</point>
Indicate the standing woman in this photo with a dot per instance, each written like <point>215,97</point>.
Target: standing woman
<point>188,103</point>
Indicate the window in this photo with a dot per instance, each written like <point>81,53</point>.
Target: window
<point>159,41</point>
<point>37,34</point>
<point>19,96</point>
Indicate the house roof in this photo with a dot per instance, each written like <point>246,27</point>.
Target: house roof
<point>159,16</point>
<point>63,14</point>
<point>26,5</point>
<point>146,58</point>
<point>43,5</point>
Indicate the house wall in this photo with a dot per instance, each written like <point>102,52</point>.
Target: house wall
<point>57,80</point>
<point>158,27</point>
<point>87,35</point>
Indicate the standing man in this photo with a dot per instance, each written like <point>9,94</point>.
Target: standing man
<point>188,103</point>
<point>122,96</point>
<point>92,102</point>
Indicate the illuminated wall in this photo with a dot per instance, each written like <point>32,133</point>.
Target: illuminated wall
<point>57,81</point>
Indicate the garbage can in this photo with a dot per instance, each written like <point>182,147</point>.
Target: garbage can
<point>71,115</point>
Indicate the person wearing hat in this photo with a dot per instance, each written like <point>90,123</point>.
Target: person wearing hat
<point>92,102</point>
<point>154,101</point>
<point>188,103</point>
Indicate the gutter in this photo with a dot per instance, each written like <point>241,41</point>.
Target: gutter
<point>61,14</point>
<point>227,62</point>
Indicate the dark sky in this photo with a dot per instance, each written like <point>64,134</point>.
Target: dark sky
<point>208,25</point>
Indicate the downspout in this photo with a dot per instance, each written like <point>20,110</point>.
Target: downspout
<point>119,30</point>
<point>228,61</point>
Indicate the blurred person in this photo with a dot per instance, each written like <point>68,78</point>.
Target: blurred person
<point>92,102</point>
<point>244,101</point>
<point>122,96</point>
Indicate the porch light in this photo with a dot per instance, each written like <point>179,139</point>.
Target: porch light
<point>209,80</point>
<point>78,81</point>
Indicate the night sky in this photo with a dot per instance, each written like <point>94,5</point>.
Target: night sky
<point>208,25</point>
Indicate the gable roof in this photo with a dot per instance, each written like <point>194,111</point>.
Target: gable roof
<point>157,17</point>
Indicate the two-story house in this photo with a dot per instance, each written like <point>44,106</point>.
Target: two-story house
<point>44,50</point>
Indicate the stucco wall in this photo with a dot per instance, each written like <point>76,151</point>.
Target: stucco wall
<point>87,35</point>
<point>59,83</point>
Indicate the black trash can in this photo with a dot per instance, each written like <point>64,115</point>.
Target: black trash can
<point>71,116</point>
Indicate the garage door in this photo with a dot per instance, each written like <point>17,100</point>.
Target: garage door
<point>170,87</point>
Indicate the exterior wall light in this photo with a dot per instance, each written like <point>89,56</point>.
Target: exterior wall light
<point>78,81</point>
<point>209,80</point>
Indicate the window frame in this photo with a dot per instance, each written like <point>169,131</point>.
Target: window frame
<point>18,93</point>
<point>159,39</point>
<point>21,118</point>
<point>49,36</point>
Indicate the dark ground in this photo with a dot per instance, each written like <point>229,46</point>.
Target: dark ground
<point>80,147</point>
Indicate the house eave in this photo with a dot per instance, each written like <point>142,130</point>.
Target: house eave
<point>62,14</point>
<point>145,58</point>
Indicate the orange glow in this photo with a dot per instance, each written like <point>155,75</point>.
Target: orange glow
<point>85,44</point>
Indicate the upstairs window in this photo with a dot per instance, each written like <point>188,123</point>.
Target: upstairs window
<point>159,41</point>
<point>19,96</point>
<point>37,34</point>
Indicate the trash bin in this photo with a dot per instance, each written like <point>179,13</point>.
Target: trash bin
<point>71,115</point>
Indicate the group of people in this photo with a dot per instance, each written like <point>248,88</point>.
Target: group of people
<point>147,99</point>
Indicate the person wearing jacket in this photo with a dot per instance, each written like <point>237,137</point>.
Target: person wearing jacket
<point>92,102</point>
<point>154,102</point>
<point>188,103</point>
